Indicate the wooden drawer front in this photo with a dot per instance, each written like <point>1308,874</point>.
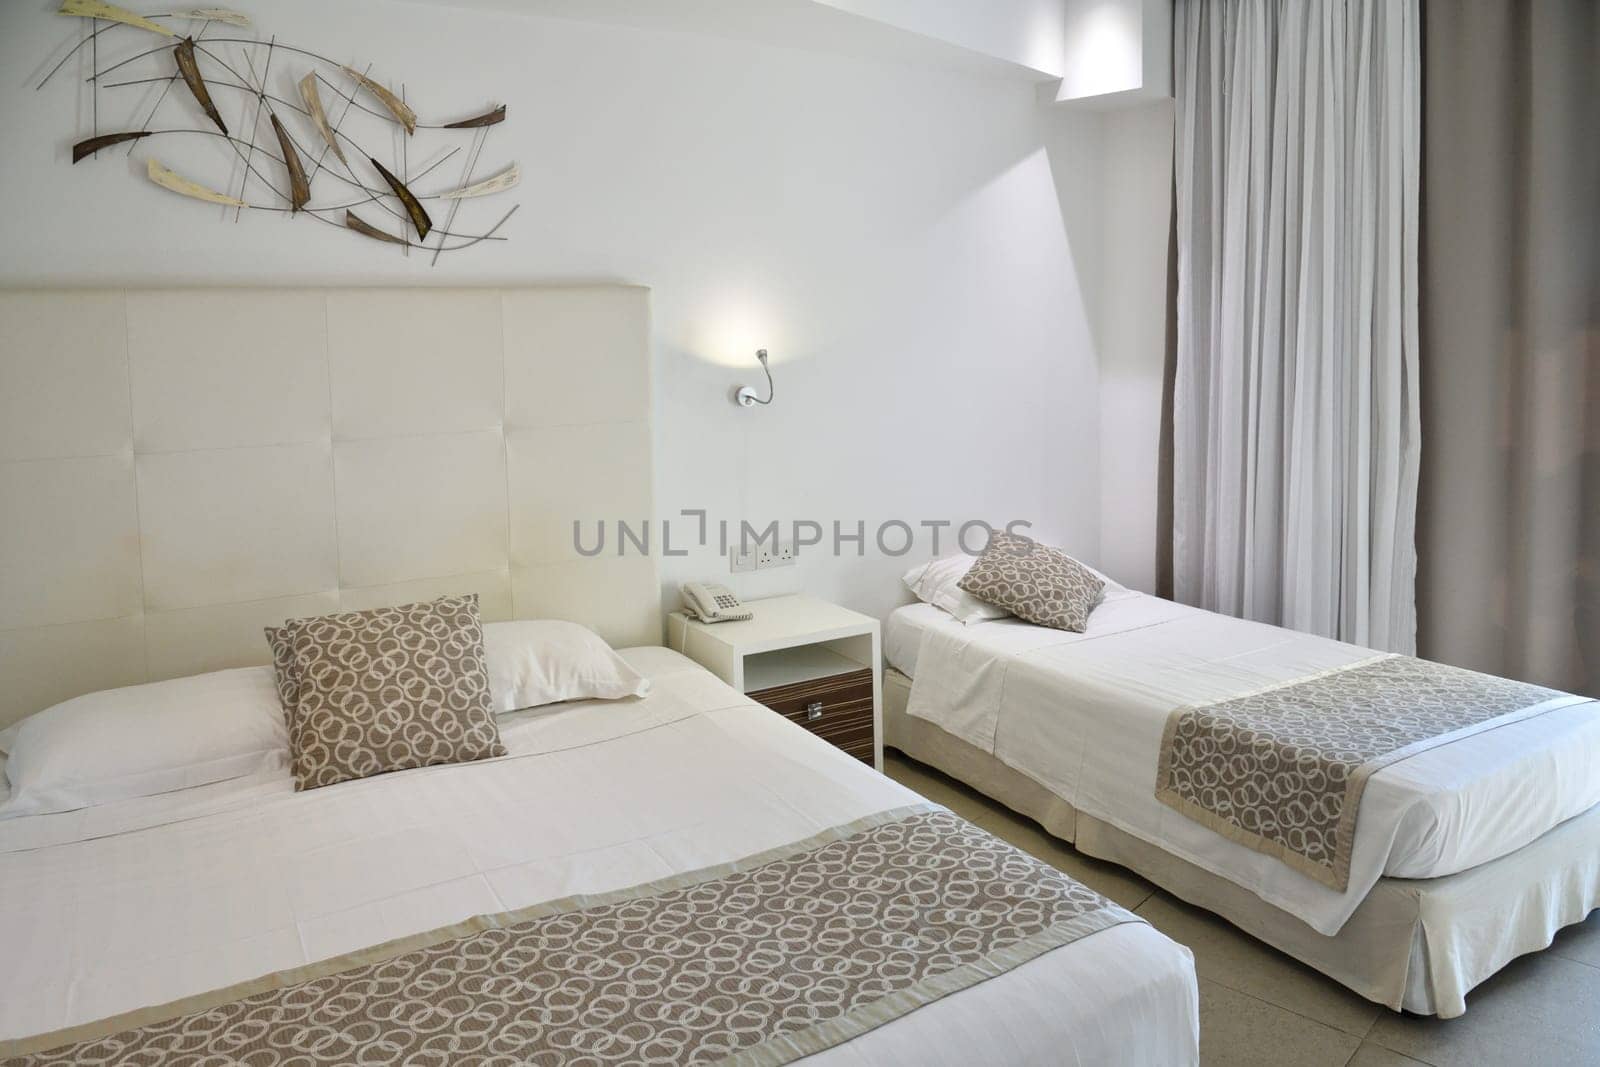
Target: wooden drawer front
<point>845,700</point>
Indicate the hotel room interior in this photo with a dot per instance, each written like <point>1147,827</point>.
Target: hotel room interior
<point>843,532</point>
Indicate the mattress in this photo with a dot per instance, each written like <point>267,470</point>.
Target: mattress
<point>1082,715</point>
<point>143,902</point>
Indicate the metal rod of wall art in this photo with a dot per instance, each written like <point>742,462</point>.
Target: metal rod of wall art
<point>197,62</point>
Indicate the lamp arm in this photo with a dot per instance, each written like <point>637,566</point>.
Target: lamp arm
<point>747,396</point>
<point>772,390</point>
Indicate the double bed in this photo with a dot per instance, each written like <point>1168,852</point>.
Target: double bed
<point>119,907</point>
<point>1466,855</point>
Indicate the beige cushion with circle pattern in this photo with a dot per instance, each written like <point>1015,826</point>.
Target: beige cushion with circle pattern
<point>283,668</point>
<point>1035,582</point>
<point>389,689</point>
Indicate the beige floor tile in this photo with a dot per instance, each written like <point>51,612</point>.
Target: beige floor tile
<point>1240,1031</point>
<point>1580,942</point>
<point>1107,879</point>
<point>1370,1055</point>
<point>942,789</point>
<point>1542,1009</point>
<point>1225,955</point>
<point>1120,885</point>
<point>894,762</point>
<point>980,810</point>
<point>939,788</point>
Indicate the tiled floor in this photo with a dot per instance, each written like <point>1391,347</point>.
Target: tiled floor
<point>1258,1006</point>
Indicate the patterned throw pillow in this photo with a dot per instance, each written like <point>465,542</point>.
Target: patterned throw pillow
<point>387,690</point>
<point>1035,582</point>
<point>283,669</point>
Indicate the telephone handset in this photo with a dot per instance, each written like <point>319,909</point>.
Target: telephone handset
<point>710,602</point>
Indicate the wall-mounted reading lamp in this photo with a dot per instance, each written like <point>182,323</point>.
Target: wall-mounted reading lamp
<point>746,396</point>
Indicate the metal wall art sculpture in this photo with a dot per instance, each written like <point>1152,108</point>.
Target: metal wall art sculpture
<point>282,146</point>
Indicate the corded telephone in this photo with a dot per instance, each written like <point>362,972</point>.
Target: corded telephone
<point>710,602</point>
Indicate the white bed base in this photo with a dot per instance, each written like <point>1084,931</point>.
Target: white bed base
<point>1417,945</point>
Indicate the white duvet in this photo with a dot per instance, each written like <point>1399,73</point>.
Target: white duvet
<point>1082,714</point>
<point>141,902</point>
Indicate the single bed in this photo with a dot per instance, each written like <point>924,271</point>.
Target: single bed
<point>125,905</point>
<point>1468,854</point>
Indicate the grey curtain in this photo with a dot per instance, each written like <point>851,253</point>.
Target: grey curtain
<point>1509,497</point>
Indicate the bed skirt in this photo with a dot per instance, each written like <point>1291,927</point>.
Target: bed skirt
<point>1417,945</point>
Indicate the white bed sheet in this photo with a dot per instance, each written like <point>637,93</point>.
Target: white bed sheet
<point>140,903</point>
<point>1083,714</point>
<point>902,635</point>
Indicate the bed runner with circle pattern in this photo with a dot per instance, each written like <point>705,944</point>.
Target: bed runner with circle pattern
<point>762,961</point>
<point>1282,770</point>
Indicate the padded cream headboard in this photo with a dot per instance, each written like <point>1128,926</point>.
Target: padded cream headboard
<point>179,468</point>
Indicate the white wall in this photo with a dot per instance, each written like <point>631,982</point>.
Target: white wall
<point>1028,32</point>
<point>1122,211</point>
<point>894,235</point>
<point>1133,334</point>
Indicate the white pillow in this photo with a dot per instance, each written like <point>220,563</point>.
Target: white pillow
<point>143,740</point>
<point>934,583</point>
<point>543,661</point>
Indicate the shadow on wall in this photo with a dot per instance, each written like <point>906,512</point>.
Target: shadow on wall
<point>1075,146</point>
<point>1113,177</point>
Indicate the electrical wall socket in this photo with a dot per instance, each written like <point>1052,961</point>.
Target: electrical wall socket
<point>780,556</point>
<point>760,558</point>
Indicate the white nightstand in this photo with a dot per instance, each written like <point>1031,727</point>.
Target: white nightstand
<point>813,662</point>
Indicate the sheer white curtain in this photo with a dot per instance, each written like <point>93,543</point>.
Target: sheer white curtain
<point>1295,436</point>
